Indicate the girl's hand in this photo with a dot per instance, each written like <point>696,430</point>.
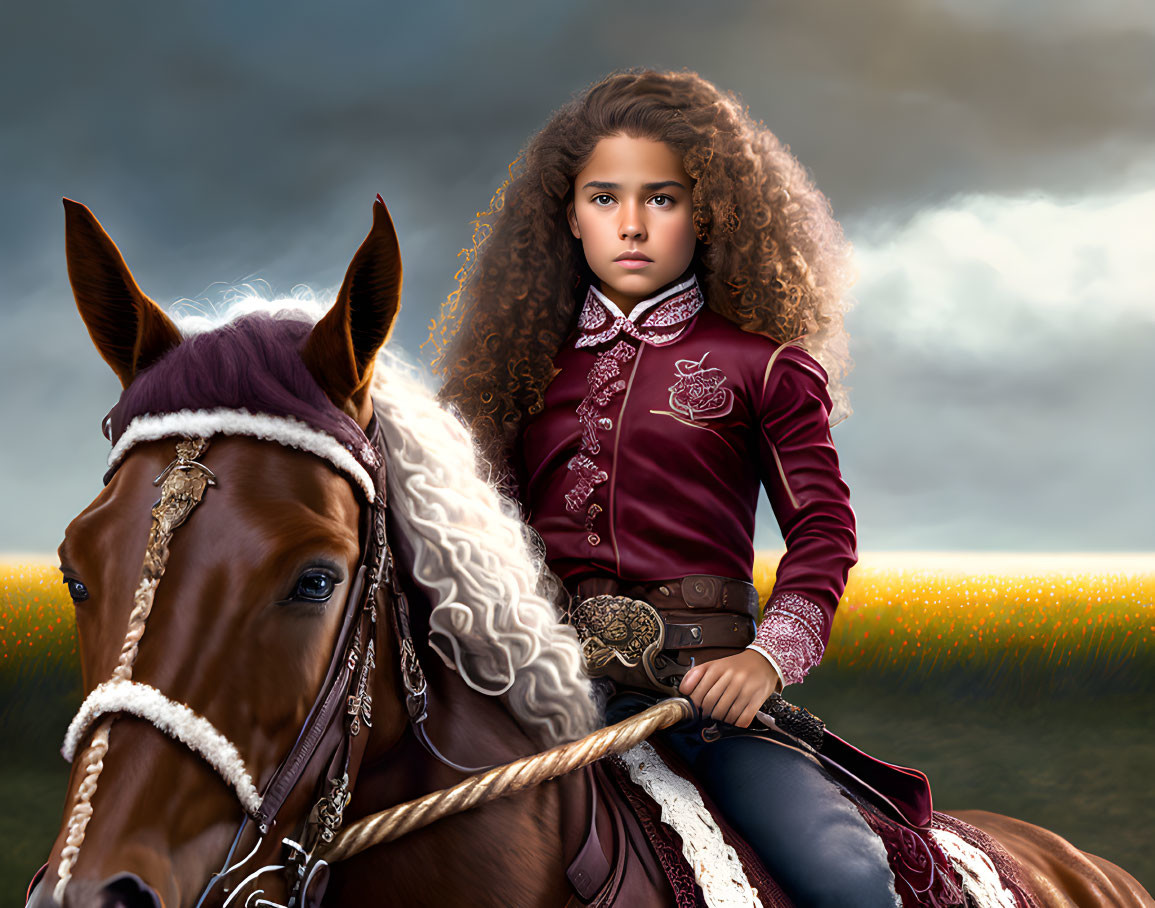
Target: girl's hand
<point>731,689</point>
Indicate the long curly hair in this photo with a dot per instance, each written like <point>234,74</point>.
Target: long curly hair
<point>770,255</point>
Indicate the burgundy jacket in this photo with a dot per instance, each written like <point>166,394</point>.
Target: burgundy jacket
<point>646,459</point>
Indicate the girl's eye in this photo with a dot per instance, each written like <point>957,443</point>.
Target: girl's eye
<point>77,590</point>
<point>315,586</point>
<point>597,199</point>
<point>663,201</point>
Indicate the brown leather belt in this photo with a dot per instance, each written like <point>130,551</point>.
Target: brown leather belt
<point>700,611</point>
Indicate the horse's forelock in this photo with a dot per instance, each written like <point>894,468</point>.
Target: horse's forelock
<point>249,363</point>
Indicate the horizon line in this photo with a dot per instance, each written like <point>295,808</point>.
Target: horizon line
<point>27,557</point>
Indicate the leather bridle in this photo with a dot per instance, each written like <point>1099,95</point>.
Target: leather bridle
<point>344,703</point>
<point>343,706</point>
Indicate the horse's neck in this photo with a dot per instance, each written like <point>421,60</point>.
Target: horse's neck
<point>507,852</point>
<point>468,728</point>
<point>503,853</point>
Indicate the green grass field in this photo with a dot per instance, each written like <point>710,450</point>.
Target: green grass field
<point>1020,684</point>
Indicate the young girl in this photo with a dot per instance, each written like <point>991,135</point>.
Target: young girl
<point>650,326</point>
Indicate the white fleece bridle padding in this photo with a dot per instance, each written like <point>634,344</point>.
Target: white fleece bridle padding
<point>284,430</point>
<point>174,719</point>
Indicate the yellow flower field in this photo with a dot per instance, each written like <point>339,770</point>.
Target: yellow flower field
<point>921,611</point>
<point>37,629</point>
<point>916,611</point>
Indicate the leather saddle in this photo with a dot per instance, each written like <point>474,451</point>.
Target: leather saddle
<point>628,857</point>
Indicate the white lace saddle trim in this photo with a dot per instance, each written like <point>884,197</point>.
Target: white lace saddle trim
<point>715,864</point>
<point>980,879</point>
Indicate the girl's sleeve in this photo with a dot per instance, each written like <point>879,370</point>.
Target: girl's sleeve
<point>799,470</point>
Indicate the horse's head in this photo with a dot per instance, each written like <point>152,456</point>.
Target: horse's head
<point>207,624</point>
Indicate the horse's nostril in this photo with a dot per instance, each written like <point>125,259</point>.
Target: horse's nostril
<point>127,890</point>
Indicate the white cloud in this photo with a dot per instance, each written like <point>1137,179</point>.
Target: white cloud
<point>990,274</point>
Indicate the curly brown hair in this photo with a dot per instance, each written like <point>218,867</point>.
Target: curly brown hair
<point>770,255</point>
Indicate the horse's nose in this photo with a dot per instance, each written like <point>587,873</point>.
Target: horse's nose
<point>127,890</point>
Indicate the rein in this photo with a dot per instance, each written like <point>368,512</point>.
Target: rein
<point>519,775</point>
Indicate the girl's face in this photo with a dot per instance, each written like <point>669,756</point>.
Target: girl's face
<point>633,212</point>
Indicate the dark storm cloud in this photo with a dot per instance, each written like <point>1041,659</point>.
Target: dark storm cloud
<point>218,142</point>
<point>1032,450</point>
<point>1025,454</point>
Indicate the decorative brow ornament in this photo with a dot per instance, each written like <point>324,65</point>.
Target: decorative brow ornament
<point>182,486</point>
<point>183,483</point>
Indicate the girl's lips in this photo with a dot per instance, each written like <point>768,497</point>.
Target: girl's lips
<point>633,263</point>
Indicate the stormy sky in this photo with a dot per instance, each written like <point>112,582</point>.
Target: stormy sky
<point>993,163</point>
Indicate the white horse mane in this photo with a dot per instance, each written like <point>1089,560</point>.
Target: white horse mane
<point>489,621</point>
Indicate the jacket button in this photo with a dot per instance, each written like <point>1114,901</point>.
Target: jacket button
<point>593,539</point>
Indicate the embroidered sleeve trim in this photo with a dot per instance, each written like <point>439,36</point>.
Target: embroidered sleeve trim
<point>790,635</point>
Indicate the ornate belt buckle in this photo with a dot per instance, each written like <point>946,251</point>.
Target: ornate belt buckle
<point>619,634</point>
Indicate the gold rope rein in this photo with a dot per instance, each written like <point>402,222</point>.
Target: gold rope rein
<point>503,780</point>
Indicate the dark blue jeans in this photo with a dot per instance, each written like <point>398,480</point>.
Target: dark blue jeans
<point>812,840</point>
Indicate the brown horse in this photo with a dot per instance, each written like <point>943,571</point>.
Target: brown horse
<point>275,625</point>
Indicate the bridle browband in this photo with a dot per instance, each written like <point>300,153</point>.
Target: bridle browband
<point>331,731</point>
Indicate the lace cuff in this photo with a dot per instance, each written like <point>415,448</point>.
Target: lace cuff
<point>790,636</point>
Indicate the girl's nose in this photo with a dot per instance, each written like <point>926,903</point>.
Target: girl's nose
<point>633,224</point>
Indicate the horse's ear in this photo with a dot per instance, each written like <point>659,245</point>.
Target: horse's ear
<point>342,347</point>
<point>130,330</point>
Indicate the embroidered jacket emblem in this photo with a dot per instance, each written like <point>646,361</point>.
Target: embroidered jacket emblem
<point>698,391</point>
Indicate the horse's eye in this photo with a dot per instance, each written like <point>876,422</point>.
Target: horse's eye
<point>315,586</point>
<point>77,590</point>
